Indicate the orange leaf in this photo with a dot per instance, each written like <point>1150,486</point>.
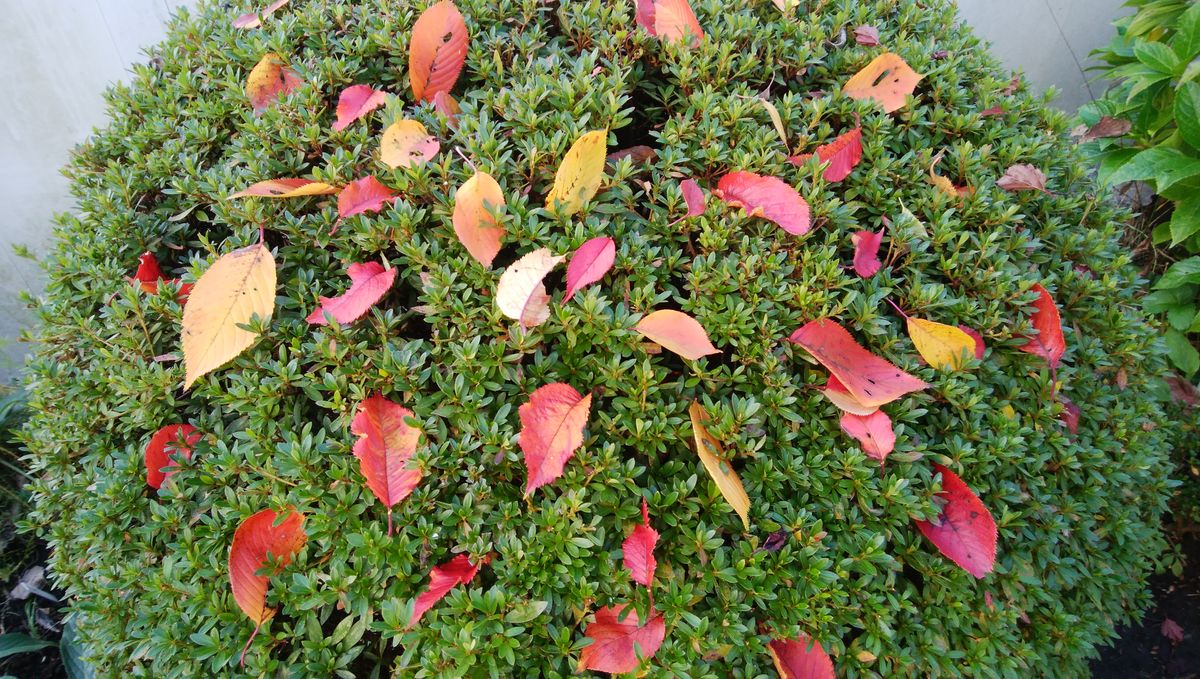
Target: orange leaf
<point>520,294</point>
<point>552,425</point>
<point>405,143</point>
<point>251,19</point>
<point>638,550</point>
<point>171,440</point>
<point>965,531</point>
<point>355,102</point>
<point>445,104</point>
<point>842,154</point>
<point>442,579</point>
<point>363,195</point>
<point>801,658</point>
<point>767,197</point>
<point>1049,342</point>
<point>711,455</point>
<point>286,188</point>
<point>616,643</point>
<point>678,332</point>
<point>872,381</point>
<point>269,80</point>
<point>887,81</point>
<point>874,433</point>
<point>669,20</point>
<point>385,447</point>
<point>368,284</point>
<point>475,205</point>
<point>437,50</point>
<point>254,541</point>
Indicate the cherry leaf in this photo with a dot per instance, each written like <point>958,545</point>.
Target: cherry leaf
<point>711,454</point>
<point>1049,342</point>
<point>520,294</point>
<point>385,448</point>
<point>363,195</point>
<point>355,102</point>
<point>980,347</point>
<point>256,540</point>
<point>475,205</point>
<point>590,262</point>
<point>167,442</point>
<point>871,380</point>
<point>252,20</point>
<point>843,155</point>
<point>965,531</point>
<point>942,346</point>
<point>887,80</point>
<point>268,81</point>
<point>840,396</point>
<point>671,21</point>
<point>368,284</point>
<point>405,143</point>
<point>767,197</point>
<point>552,425</point>
<point>437,50</point>
<point>867,36</point>
<point>677,332</point>
<point>286,188</point>
<point>1022,178</point>
<point>1107,127</point>
<point>148,272</point>
<point>442,579</point>
<point>874,432</point>
<point>1070,414</point>
<point>638,550</point>
<point>801,658</point>
<point>693,197</point>
<point>866,252</point>
<point>616,643</point>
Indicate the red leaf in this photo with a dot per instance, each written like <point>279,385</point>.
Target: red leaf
<point>437,50</point>
<point>590,262</point>
<point>442,579</point>
<point>250,19</point>
<point>355,102</point>
<point>872,380</point>
<point>171,440</point>
<point>842,154</point>
<point>873,431</point>
<point>965,531</point>
<point>767,197</point>
<point>669,20</point>
<point>866,35</point>
<point>693,196</point>
<point>385,447</point>
<point>1172,631</point>
<point>446,106</point>
<point>1022,178</point>
<point>866,252</point>
<point>256,539</point>
<point>363,195</point>
<point>801,658</point>
<point>840,396</point>
<point>552,425</point>
<point>268,81</point>
<point>616,643</point>
<point>1049,343</point>
<point>993,111</point>
<point>148,273</point>
<point>368,284</point>
<point>638,549</point>
<point>1070,414</point>
<point>980,347</point>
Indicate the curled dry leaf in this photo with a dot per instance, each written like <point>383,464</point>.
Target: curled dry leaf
<point>678,332</point>
<point>943,184</point>
<point>801,658</point>
<point>268,81</point>
<point>871,380</point>
<point>1022,178</point>
<point>520,294</point>
<point>286,188</point>
<point>590,262</point>
<point>710,451</point>
<point>580,174</point>
<point>1172,631</point>
<point>167,442</point>
<point>965,531</point>
<point>1107,127</point>
<point>842,154</point>
<point>944,347</point>
<point>475,205</point>
<point>637,155</point>
<point>867,36</point>
<point>255,540</point>
<point>253,20</point>
<point>767,197</point>
<point>873,432</point>
<point>236,288</point>
<point>638,550</point>
<point>1049,342</point>
<point>866,252</point>
<point>618,639</point>
<point>385,448</point>
<point>363,195</point>
<point>405,143</point>
<point>552,425</point>
<point>442,579</point>
<point>887,80</point>
<point>671,21</point>
<point>840,396</point>
<point>437,50</point>
<point>355,102</point>
<point>369,282</point>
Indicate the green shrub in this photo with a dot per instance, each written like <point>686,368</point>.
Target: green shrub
<point>1078,514</point>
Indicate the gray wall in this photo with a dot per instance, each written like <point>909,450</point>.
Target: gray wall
<point>57,56</point>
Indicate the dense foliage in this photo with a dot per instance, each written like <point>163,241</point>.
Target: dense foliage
<point>845,564</point>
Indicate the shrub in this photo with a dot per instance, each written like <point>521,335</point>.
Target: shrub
<point>1078,513</point>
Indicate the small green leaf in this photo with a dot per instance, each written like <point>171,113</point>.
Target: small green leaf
<point>526,611</point>
<point>1181,352</point>
<point>14,643</point>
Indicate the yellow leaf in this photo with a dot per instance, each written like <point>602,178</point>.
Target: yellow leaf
<point>776,120</point>
<point>942,346</point>
<point>887,80</point>
<point>579,176</point>
<point>520,294</point>
<point>943,184</point>
<point>707,447</point>
<point>405,143</point>
<point>237,287</point>
<point>1009,413</point>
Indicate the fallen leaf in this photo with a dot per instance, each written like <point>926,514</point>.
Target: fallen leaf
<point>767,197</point>
<point>149,277</point>
<point>616,643</point>
<point>355,102</point>
<point>867,36</point>
<point>1022,178</point>
<point>368,284</point>
<point>1049,342</point>
<point>776,120</point>
<point>996,110</point>
<point>874,432</point>
<point>255,540</point>
<point>965,531</point>
<point>866,252</point>
<point>363,195</point>
<point>252,20</point>
<point>775,541</point>
<point>446,106</point>
<point>840,396</point>
<point>1070,414</point>
<point>167,442</point>
<point>580,174</point>
<point>801,658</point>
<point>1183,391</point>
<point>475,205</point>
<point>237,287</point>
<point>268,81</point>
<point>442,579</point>
<point>980,347</point>
<point>520,294</point>
<point>636,154</point>
<point>1172,631</point>
<point>943,184</point>
<point>590,262</point>
<point>710,451</point>
<point>669,20</point>
<point>887,80</point>
<point>552,425</point>
<point>286,188</point>
<point>842,154</point>
<point>942,346</point>
<point>678,332</point>
<point>1107,127</point>
<point>638,550</point>
<point>693,197</point>
<point>437,50</point>
<point>405,143</point>
<point>871,380</point>
<point>384,449</point>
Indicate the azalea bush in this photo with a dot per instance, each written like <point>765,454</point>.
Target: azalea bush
<point>526,339</point>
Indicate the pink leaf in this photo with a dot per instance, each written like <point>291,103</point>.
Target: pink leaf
<point>638,549</point>
<point>355,102</point>
<point>1070,414</point>
<point>874,433</point>
<point>442,579</point>
<point>590,262</point>
<point>840,396</point>
<point>866,252</point>
<point>694,197</point>
<point>965,531</point>
<point>801,658</point>
<point>677,332</point>
<point>1172,631</point>
<point>616,643</point>
<point>1049,342</point>
<point>1022,178</point>
<point>842,154</point>
<point>385,448</point>
<point>767,197</point>
<point>251,19</point>
<point>363,195</point>
<point>872,381</point>
<point>867,36</point>
<point>368,284</point>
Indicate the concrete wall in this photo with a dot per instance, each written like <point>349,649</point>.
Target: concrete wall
<point>57,56</point>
